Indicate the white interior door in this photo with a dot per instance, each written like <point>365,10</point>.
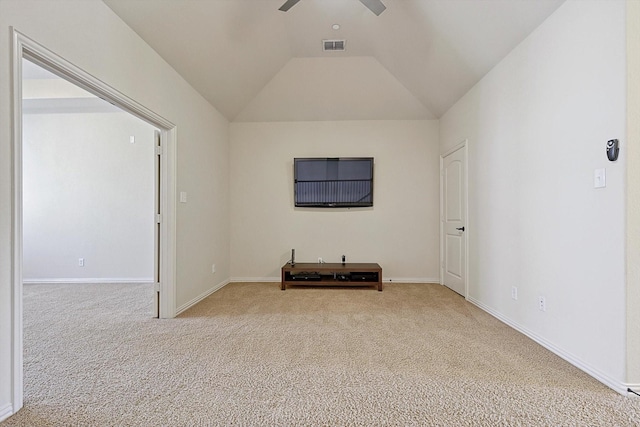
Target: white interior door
<point>454,217</point>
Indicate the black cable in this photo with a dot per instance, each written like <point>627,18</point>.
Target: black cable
<point>631,391</point>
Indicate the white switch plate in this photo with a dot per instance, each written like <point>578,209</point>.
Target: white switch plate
<point>599,178</point>
<point>183,197</point>
<point>132,139</point>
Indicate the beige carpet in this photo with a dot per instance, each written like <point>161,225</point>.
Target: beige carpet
<point>252,355</point>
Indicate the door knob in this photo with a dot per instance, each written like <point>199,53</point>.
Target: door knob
<point>461,228</point>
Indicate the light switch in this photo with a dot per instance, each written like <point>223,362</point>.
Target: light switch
<point>599,178</point>
<point>183,197</point>
<point>132,139</point>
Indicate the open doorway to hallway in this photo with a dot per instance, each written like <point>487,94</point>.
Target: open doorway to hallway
<point>90,247</point>
<point>165,167</point>
<point>89,187</point>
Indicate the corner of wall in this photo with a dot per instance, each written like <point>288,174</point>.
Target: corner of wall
<point>633,194</point>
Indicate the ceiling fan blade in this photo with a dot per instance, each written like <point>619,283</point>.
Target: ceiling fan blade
<point>288,5</point>
<point>374,6</point>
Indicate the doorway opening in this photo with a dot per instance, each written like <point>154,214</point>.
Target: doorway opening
<point>25,48</point>
<point>89,187</point>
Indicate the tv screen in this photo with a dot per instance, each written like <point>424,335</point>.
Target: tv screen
<point>333,182</point>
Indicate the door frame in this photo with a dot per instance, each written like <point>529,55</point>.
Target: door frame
<point>25,47</point>
<point>464,145</point>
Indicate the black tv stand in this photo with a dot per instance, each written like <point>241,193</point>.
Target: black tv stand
<point>332,274</point>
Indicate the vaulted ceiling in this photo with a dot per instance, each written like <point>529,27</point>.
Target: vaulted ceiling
<point>256,63</point>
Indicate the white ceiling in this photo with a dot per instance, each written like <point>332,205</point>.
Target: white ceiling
<point>256,63</point>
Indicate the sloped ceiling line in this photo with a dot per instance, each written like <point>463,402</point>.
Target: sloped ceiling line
<point>255,63</point>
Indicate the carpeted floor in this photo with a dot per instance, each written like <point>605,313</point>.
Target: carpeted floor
<point>252,355</point>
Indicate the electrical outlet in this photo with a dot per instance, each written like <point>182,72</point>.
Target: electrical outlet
<point>213,268</point>
<point>514,293</point>
<point>542,303</point>
<point>80,262</point>
<point>320,261</point>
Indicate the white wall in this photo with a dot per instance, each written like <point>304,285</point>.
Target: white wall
<point>537,126</point>
<point>88,34</point>
<point>400,232</point>
<point>88,193</point>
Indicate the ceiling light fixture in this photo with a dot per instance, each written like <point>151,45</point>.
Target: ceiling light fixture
<point>374,6</point>
<point>335,26</point>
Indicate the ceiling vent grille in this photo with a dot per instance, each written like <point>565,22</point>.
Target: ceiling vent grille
<point>333,45</point>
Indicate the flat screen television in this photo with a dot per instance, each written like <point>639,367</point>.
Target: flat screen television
<point>342,182</point>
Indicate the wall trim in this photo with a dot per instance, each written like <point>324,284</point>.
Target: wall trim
<point>202,296</point>
<point>6,411</point>
<point>254,279</point>
<point>605,379</point>
<point>425,280</point>
<point>89,280</point>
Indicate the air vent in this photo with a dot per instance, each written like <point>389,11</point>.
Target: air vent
<point>333,45</point>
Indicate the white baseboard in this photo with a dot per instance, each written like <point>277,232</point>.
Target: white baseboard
<point>199,298</point>
<point>254,279</point>
<point>89,280</point>
<point>575,361</point>
<point>411,280</point>
<point>385,280</point>
<point>6,411</point>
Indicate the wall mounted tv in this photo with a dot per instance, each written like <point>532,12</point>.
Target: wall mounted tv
<point>344,182</point>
